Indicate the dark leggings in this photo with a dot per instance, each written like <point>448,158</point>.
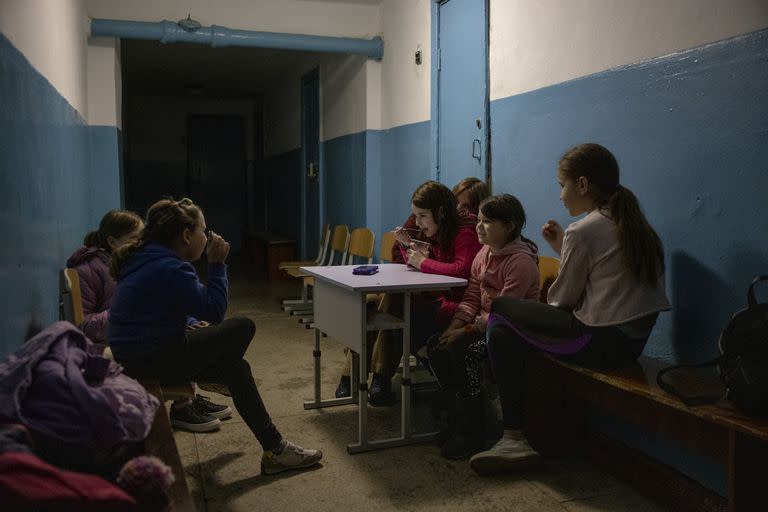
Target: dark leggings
<point>517,327</point>
<point>458,366</point>
<point>215,354</point>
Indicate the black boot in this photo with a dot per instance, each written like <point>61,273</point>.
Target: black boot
<point>468,436</point>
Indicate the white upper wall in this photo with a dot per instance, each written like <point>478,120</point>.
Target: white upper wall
<point>343,96</point>
<point>373,95</point>
<point>282,110</point>
<point>536,44</point>
<point>104,82</point>
<point>405,87</point>
<point>343,101</point>
<point>316,17</point>
<point>52,36</point>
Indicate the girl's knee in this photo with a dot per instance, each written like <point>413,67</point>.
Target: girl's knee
<point>241,367</point>
<point>245,326</point>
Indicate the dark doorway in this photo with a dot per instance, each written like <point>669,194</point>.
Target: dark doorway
<point>216,177</point>
<point>310,160</point>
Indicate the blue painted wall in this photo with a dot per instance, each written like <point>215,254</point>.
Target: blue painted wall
<point>106,172</point>
<point>373,185</point>
<point>691,134</point>
<point>369,176</point>
<point>405,164</point>
<point>55,172</point>
<point>344,180</point>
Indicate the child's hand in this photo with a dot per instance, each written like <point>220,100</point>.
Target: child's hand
<point>218,249</point>
<point>449,336</point>
<point>197,325</point>
<point>421,247</point>
<point>553,233</point>
<point>402,236</point>
<point>415,258</point>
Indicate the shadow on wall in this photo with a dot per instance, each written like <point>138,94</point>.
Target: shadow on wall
<point>703,304</point>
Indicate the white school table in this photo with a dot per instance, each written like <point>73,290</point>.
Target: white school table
<point>340,312</point>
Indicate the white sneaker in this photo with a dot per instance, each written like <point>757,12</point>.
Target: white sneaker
<point>292,457</point>
<point>506,455</point>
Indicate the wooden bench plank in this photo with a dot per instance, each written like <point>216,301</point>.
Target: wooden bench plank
<point>161,443</point>
<point>641,380</point>
<point>560,397</point>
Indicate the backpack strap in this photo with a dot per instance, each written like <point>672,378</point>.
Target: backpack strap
<point>690,401</point>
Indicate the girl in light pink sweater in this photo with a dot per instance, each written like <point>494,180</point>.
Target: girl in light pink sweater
<point>505,266</point>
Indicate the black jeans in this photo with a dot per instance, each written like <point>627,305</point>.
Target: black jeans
<point>518,327</point>
<point>215,354</point>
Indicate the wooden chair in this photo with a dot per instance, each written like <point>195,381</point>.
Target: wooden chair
<point>549,268</point>
<point>387,243</point>
<point>361,244</point>
<point>385,256</point>
<point>71,300</point>
<point>340,240</point>
<point>321,252</point>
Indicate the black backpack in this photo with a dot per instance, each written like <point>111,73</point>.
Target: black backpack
<point>743,360</point>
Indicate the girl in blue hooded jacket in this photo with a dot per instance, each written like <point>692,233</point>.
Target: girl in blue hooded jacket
<point>158,289</point>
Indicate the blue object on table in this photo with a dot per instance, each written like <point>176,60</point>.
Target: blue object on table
<point>365,270</point>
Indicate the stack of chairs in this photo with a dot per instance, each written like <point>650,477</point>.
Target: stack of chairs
<point>339,244</point>
<point>360,244</point>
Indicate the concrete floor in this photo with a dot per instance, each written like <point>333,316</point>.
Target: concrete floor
<point>222,468</point>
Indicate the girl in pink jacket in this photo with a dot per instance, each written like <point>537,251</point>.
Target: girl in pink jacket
<point>505,266</point>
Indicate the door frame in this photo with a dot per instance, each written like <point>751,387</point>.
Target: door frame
<point>435,93</point>
<point>309,76</point>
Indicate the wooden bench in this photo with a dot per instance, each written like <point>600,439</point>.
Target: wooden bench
<point>562,398</point>
<point>161,443</point>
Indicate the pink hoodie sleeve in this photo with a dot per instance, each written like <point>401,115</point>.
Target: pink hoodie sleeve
<point>471,302</point>
<point>520,273</point>
<point>466,247</point>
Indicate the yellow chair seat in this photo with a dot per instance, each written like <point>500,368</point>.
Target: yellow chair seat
<point>295,264</point>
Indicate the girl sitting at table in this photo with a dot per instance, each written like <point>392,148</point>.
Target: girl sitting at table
<point>507,266</point>
<point>451,247</point>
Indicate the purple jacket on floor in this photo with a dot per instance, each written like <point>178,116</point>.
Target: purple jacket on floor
<point>97,287</point>
<point>59,385</point>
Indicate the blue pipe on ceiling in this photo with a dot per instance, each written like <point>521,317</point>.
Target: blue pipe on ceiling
<point>170,32</point>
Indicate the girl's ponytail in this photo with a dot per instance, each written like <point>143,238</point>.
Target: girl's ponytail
<point>93,239</point>
<point>122,254</point>
<point>640,244</point>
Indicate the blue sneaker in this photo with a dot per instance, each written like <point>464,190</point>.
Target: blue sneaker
<point>344,389</point>
<point>380,393</point>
